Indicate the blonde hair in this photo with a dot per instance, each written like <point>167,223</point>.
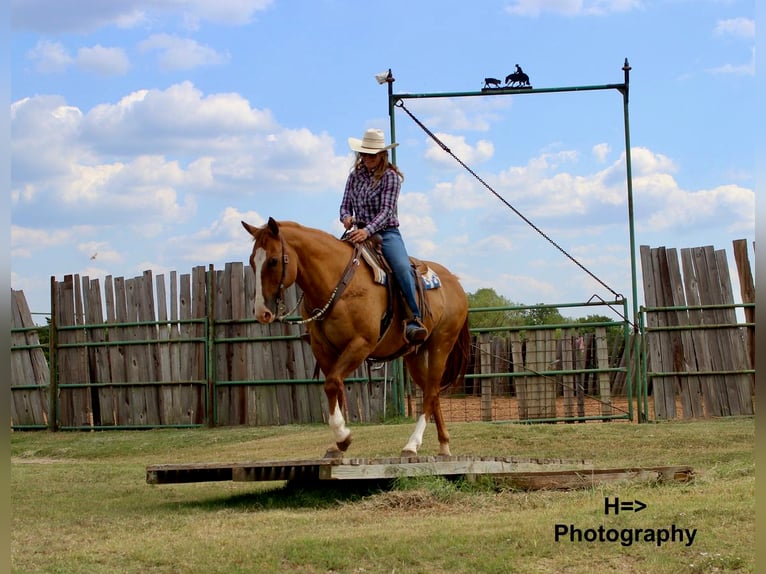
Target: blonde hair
<point>382,167</point>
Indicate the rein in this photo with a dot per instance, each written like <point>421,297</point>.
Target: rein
<point>319,314</point>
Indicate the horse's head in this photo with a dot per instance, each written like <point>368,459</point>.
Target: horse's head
<point>273,272</point>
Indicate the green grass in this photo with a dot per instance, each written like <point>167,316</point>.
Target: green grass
<point>80,503</point>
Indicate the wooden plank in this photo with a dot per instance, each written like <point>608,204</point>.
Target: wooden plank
<point>747,292</point>
<point>166,395</point>
<point>700,338</point>
<point>66,356</point>
<point>549,383</point>
<point>28,367</point>
<point>735,346</point>
<point>297,367</point>
<point>568,381</point>
<point>199,306</point>
<point>707,276</point>
<point>104,398</point>
<point>135,364</point>
<point>670,339</point>
<point>187,353</point>
<point>262,398</point>
<point>521,381</point>
<point>526,474</point>
<point>147,314</point>
<point>685,360</point>
<point>602,362</point>
<point>126,394</point>
<point>225,408</point>
<point>238,368</point>
<point>658,342</point>
<point>452,466</point>
<point>353,468</point>
<point>485,368</point>
<point>178,391</point>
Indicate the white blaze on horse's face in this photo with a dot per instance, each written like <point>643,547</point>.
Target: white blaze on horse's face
<point>262,312</point>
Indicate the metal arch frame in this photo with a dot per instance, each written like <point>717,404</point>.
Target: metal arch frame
<point>623,88</point>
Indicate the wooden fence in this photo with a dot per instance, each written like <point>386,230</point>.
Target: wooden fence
<point>698,354</point>
<point>185,350</point>
<point>129,356</point>
<point>128,359</point>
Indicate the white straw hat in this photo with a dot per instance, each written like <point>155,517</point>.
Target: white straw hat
<point>373,142</point>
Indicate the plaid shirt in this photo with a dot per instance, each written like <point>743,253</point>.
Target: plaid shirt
<point>373,204</point>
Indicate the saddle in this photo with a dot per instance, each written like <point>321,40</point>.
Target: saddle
<point>426,278</point>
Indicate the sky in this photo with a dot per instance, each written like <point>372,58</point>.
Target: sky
<point>143,131</point>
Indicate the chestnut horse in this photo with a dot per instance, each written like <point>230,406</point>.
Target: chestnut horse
<point>345,328</point>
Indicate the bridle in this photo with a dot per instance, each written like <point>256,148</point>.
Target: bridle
<point>318,314</point>
<point>281,289</point>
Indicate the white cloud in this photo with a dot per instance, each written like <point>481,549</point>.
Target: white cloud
<point>103,61</point>
<point>54,16</point>
<point>468,114</point>
<point>746,69</point>
<point>181,53</point>
<point>601,151</point>
<point>471,155</point>
<point>26,240</point>
<point>49,57</point>
<point>224,239</point>
<point>534,8</point>
<point>738,27</point>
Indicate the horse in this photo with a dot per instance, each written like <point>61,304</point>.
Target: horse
<point>519,78</point>
<point>342,308</point>
<point>491,82</point>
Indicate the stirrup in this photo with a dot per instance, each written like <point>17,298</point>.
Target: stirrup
<point>415,332</point>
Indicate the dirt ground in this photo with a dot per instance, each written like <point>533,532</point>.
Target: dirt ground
<point>468,409</point>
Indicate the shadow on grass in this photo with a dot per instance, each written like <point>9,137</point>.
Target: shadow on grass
<point>293,495</point>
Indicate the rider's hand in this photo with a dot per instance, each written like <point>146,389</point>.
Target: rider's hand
<point>348,222</point>
<point>359,235</point>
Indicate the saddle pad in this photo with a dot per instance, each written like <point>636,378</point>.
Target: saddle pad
<point>377,271</point>
<point>429,278</point>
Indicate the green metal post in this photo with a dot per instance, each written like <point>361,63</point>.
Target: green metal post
<point>53,391</point>
<point>390,82</point>
<point>631,226</point>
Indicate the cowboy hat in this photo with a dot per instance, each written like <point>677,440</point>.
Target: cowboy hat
<point>373,142</point>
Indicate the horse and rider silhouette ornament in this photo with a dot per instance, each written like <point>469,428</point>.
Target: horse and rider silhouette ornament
<point>516,79</point>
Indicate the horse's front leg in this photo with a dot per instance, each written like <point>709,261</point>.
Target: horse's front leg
<point>337,369</point>
<point>335,391</point>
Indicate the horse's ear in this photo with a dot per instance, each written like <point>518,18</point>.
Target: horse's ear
<point>273,226</point>
<point>250,229</point>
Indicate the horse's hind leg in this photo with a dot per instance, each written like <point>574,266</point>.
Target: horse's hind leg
<point>426,370</point>
<point>430,407</point>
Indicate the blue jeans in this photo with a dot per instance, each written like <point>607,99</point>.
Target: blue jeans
<point>396,255</point>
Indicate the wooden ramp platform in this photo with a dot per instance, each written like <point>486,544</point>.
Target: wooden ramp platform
<point>523,473</point>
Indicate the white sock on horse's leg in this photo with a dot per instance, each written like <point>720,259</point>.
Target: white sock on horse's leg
<point>416,439</point>
<point>338,425</point>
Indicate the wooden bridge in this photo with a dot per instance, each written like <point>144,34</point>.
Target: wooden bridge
<point>520,473</point>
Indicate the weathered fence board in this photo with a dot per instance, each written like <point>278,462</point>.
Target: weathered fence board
<point>132,356</point>
<point>697,351</point>
<point>29,369</point>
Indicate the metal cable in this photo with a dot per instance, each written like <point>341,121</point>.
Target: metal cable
<point>441,144</point>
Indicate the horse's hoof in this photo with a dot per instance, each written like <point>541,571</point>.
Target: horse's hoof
<point>409,453</point>
<point>344,444</point>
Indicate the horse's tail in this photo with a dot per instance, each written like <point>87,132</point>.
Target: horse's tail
<point>457,361</point>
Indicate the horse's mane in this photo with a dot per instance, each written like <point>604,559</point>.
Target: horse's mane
<point>294,225</point>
